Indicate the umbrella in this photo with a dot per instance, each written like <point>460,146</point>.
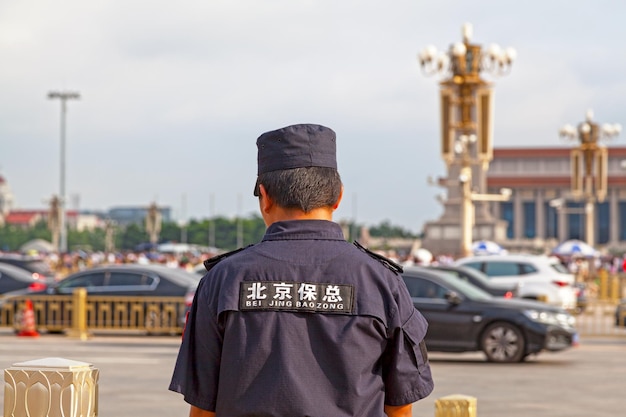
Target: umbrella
<point>486,247</point>
<point>37,245</point>
<point>423,256</point>
<point>574,247</point>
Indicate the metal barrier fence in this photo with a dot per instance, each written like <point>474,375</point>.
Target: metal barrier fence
<point>599,316</point>
<point>55,313</point>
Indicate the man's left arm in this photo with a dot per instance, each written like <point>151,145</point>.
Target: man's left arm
<point>199,412</point>
<point>399,410</point>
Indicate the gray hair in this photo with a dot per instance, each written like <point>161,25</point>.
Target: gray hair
<point>302,188</point>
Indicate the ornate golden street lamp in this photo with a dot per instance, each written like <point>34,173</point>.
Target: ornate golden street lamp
<point>466,124</point>
<point>589,166</point>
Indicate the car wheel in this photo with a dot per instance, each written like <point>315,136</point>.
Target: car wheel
<point>503,342</point>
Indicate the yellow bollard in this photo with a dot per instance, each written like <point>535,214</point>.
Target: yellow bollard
<point>604,284</point>
<point>615,296</point>
<point>455,406</point>
<point>79,315</point>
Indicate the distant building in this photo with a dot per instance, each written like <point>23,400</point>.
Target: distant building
<point>538,176</point>
<point>75,220</point>
<point>24,218</point>
<point>124,216</point>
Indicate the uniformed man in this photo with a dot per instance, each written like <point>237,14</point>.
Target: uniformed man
<point>303,323</point>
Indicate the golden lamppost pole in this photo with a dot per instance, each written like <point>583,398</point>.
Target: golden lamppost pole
<point>153,223</point>
<point>466,127</point>
<point>589,166</point>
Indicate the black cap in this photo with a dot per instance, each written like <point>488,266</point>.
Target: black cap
<point>296,146</point>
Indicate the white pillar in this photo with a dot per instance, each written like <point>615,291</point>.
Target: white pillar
<point>590,222</point>
<point>51,387</point>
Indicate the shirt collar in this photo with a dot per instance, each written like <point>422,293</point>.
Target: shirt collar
<point>304,230</point>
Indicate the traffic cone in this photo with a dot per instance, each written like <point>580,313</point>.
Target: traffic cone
<point>27,323</point>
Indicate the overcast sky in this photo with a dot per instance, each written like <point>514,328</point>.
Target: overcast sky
<point>174,94</point>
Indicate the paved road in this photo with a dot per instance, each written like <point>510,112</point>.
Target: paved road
<point>587,381</point>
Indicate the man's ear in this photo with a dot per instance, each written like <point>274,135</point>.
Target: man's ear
<point>336,205</point>
<point>265,201</point>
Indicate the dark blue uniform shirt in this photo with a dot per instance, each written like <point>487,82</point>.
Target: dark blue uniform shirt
<point>302,324</point>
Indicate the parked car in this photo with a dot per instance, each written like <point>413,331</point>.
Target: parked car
<point>539,277</point>
<point>13,278</point>
<point>463,318</point>
<point>135,280</point>
<point>480,280</point>
<point>35,265</point>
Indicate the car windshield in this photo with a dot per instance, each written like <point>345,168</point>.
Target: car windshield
<point>474,273</point>
<point>32,265</point>
<point>465,288</point>
<point>559,267</point>
<point>40,267</point>
<point>454,284</point>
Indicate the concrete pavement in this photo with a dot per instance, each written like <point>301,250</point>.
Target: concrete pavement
<point>585,381</point>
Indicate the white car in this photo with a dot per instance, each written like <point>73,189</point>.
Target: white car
<point>539,277</point>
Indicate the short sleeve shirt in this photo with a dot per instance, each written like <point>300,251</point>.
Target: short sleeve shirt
<point>302,324</point>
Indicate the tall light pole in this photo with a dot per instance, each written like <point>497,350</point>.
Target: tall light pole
<point>466,130</point>
<point>153,223</point>
<point>63,96</point>
<point>589,166</point>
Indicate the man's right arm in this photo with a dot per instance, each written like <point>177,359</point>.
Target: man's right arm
<point>199,412</point>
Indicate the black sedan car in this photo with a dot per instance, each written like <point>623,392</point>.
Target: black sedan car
<point>13,278</point>
<point>35,265</point>
<point>478,279</point>
<point>127,296</point>
<point>129,279</point>
<point>463,318</point>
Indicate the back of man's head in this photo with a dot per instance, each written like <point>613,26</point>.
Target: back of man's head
<point>297,166</point>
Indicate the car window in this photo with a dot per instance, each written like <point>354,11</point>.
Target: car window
<point>527,269</point>
<point>499,268</point>
<point>86,280</point>
<point>127,279</point>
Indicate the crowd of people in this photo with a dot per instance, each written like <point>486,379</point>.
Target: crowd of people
<point>61,265</point>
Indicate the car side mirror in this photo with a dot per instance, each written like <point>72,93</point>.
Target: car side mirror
<point>453,298</point>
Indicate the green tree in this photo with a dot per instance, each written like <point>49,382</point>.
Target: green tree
<point>128,237</point>
<point>386,229</point>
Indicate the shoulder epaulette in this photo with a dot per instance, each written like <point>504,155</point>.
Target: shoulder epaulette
<point>385,261</point>
<point>211,262</point>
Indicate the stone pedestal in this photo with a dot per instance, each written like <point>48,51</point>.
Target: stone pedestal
<point>443,236</point>
<point>51,387</point>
